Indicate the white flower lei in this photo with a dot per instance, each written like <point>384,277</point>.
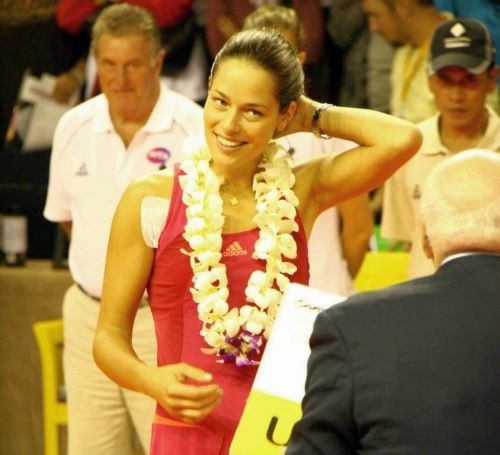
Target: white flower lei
<point>237,334</point>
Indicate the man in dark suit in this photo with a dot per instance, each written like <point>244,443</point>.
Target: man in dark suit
<point>415,369</point>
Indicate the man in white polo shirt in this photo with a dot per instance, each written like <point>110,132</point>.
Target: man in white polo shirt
<point>134,127</point>
<point>462,73</point>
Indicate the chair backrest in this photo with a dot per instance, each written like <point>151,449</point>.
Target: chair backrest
<point>49,337</point>
<point>381,269</point>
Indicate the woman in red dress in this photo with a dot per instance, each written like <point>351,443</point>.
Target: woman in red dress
<point>216,243</point>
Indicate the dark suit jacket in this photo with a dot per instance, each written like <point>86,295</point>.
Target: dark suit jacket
<point>412,369</point>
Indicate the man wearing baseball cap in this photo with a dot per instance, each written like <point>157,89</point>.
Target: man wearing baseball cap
<point>461,74</point>
<point>465,43</point>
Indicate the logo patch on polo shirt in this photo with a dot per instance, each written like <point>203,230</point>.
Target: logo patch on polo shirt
<point>82,170</point>
<point>416,192</point>
<point>159,155</point>
<point>235,249</point>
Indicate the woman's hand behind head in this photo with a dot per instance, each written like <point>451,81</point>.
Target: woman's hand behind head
<point>300,119</point>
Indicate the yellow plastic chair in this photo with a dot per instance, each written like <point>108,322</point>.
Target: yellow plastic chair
<point>49,337</point>
<point>381,269</point>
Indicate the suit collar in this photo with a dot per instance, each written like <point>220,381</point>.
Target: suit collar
<point>468,253</point>
<point>471,260</point>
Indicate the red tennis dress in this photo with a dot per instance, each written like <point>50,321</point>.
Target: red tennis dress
<point>178,330</point>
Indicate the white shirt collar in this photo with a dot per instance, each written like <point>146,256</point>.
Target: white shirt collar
<point>440,149</point>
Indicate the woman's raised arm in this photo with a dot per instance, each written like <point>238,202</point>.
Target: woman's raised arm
<point>385,143</point>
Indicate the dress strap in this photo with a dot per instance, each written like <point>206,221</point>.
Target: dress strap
<point>154,211</point>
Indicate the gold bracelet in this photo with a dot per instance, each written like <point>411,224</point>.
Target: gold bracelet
<point>315,120</point>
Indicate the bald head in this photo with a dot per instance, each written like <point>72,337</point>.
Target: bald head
<point>460,204</point>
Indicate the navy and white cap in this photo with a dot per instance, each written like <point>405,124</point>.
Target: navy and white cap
<point>462,42</point>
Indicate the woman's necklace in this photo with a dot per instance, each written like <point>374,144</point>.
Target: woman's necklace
<point>232,198</point>
<point>236,335</point>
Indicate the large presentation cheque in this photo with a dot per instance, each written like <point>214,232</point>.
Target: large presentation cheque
<point>273,405</point>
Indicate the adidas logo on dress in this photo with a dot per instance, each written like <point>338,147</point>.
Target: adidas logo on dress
<point>235,249</point>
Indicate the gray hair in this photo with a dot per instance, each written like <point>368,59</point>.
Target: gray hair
<point>125,19</point>
<point>460,203</point>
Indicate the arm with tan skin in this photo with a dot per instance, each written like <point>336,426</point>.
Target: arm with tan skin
<point>357,227</point>
<point>66,227</point>
<point>128,266</point>
<point>385,143</point>
<point>69,82</point>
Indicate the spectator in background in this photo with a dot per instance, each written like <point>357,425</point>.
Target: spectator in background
<point>77,16</point>
<point>413,369</point>
<point>461,73</point>
<point>347,27</point>
<point>224,18</point>
<point>409,25</point>
<point>487,11</point>
<point>134,127</point>
<point>366,57</point>
<point>30,39</point>
<point>366,64</point>
<point>184,67</point>
<point>380,54</point>
<point>30,42</point>
<point>340,236</point>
